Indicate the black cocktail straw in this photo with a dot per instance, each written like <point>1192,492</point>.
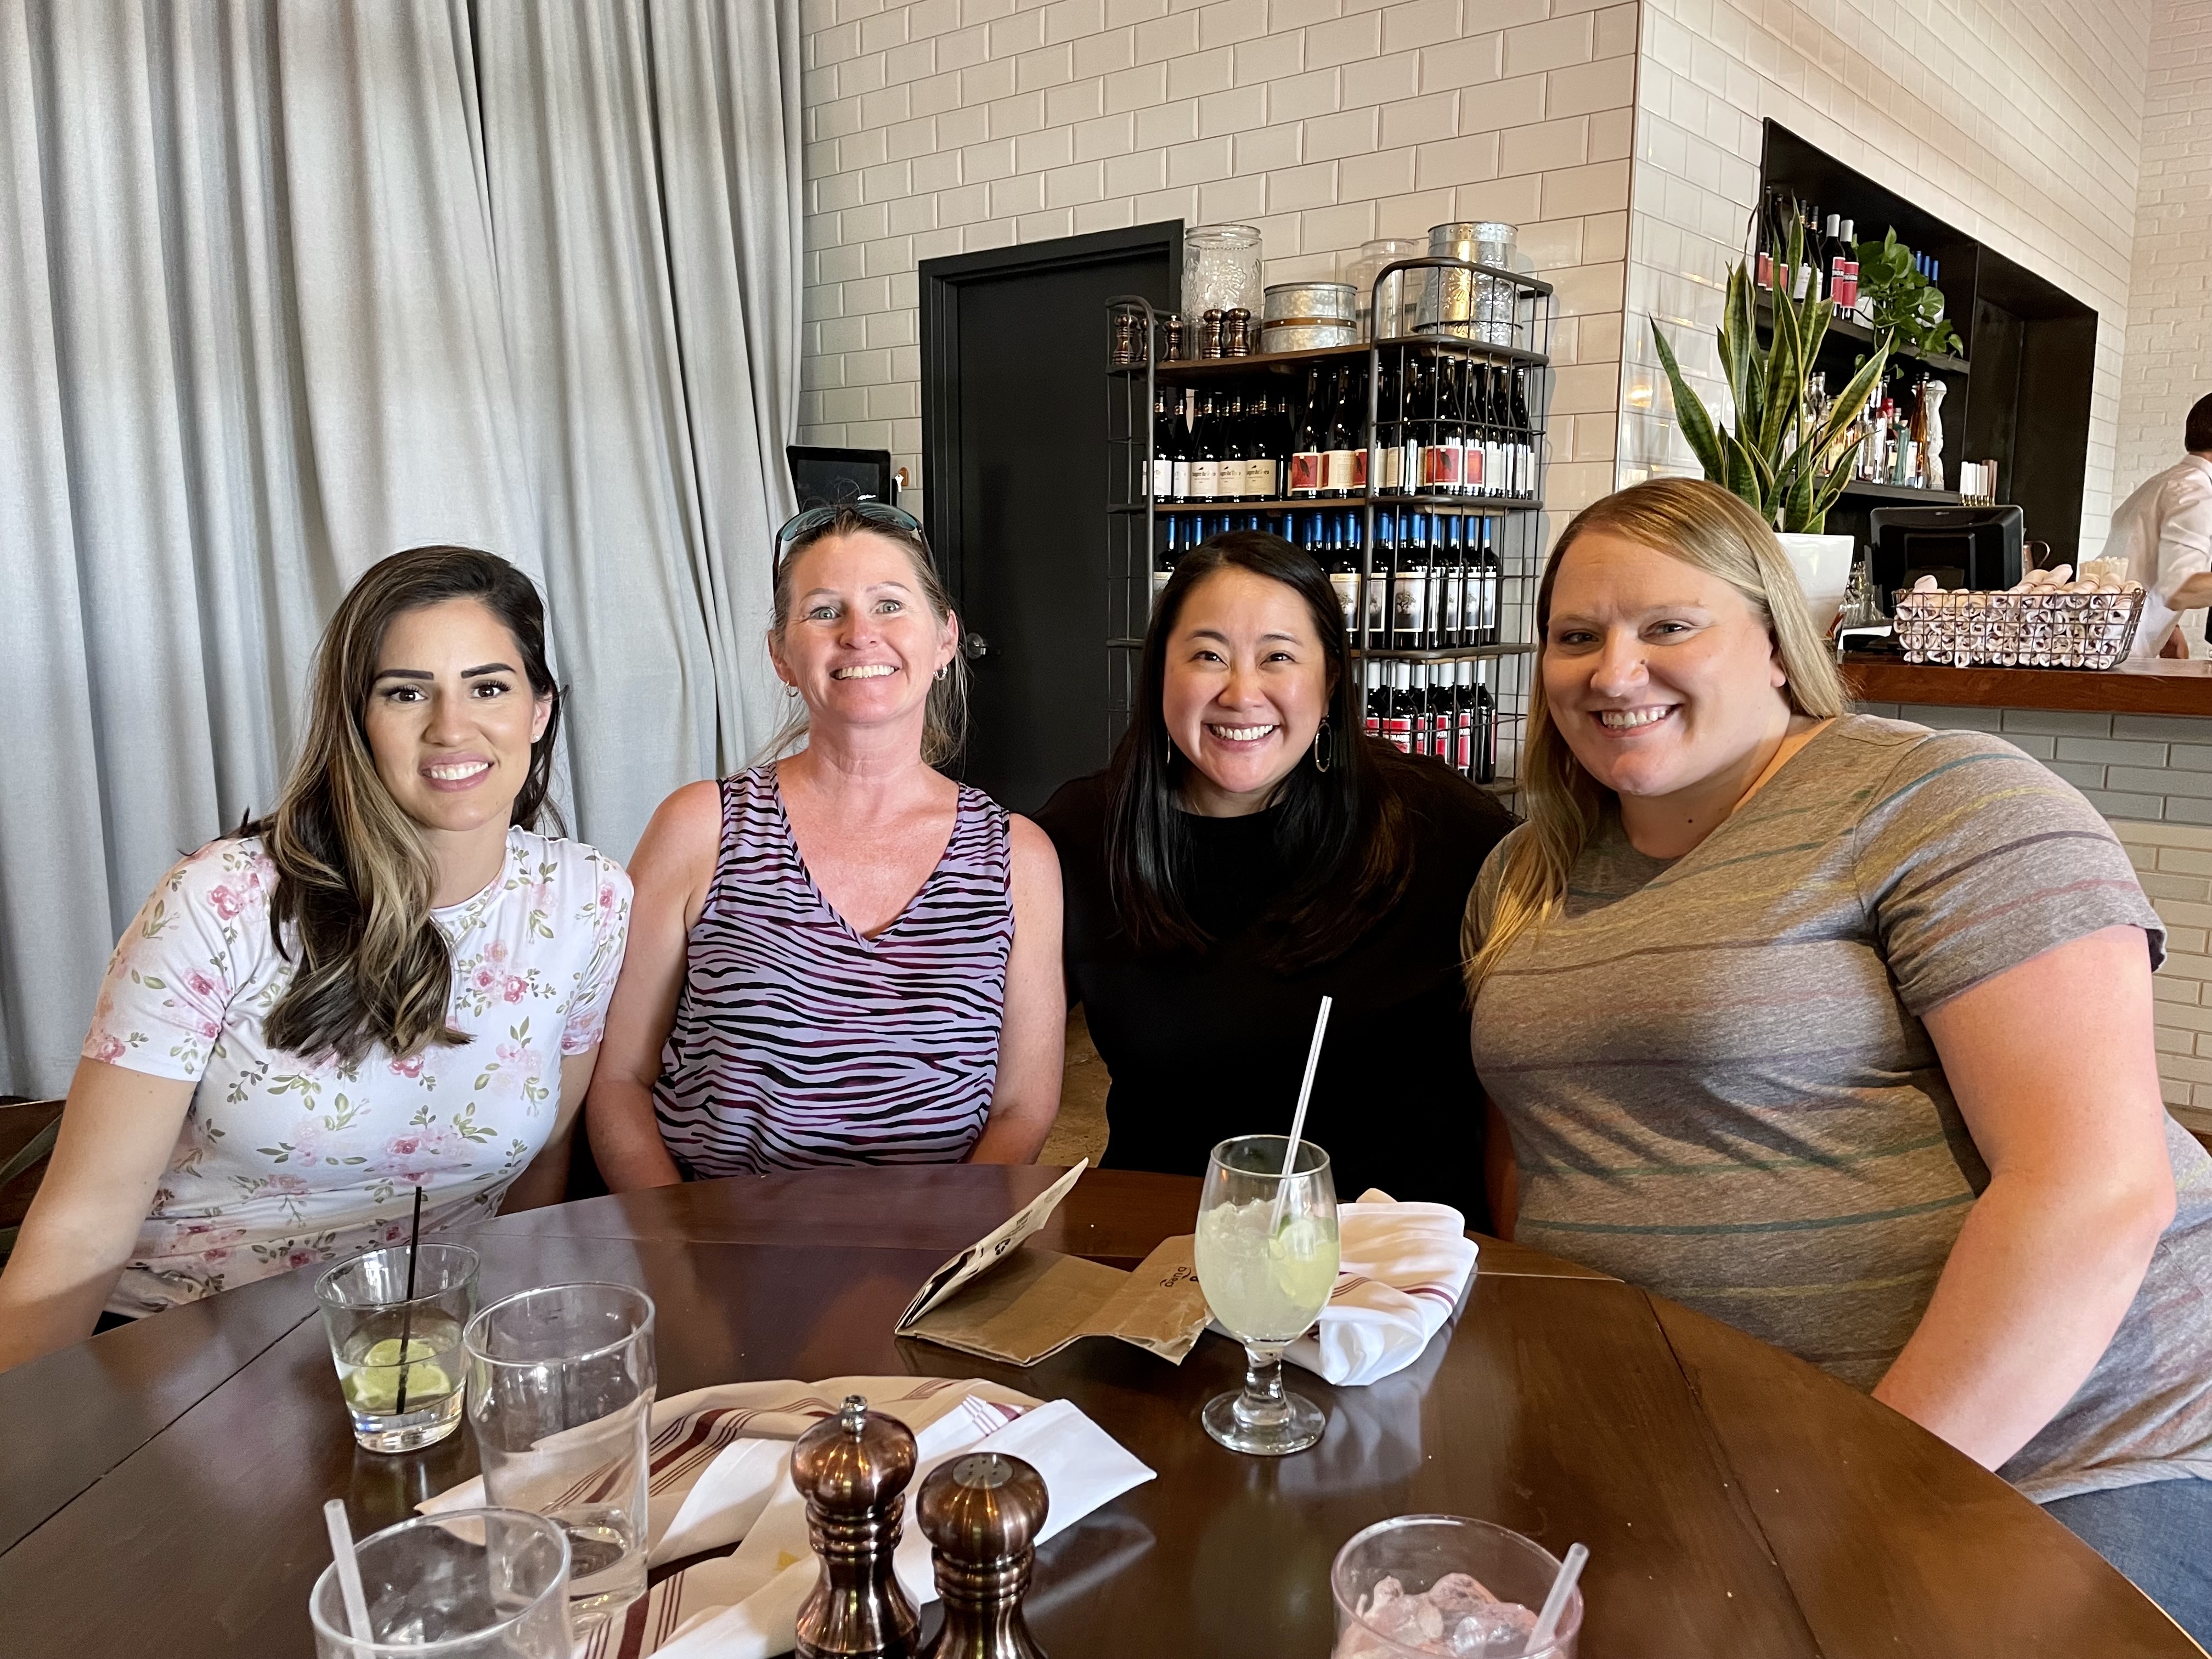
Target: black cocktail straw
<point>407,1314</point>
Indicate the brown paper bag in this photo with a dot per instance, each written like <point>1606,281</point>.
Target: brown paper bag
<point>1003,1299</point>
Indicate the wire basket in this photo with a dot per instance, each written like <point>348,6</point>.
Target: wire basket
<point>1969,629</point>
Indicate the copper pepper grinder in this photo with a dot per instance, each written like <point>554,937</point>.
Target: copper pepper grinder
<point>982,1514</point>
<point>853,1470</point>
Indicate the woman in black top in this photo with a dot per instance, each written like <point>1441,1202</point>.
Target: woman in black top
<point>1250,850</point>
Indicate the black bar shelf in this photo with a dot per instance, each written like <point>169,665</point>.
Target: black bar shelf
<point>1904,495</point>
<point>1192,371</point>
<point>1381,653</point>
<point>1850,329</point>
<point>1471,506</point>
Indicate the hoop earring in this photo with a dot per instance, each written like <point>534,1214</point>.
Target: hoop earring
<point>789,690</point>
<point>1320,753</point>
<point>944,670</point>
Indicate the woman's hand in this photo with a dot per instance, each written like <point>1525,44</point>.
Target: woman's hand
<point>1033,1035</point>
<point>2054,1069</point>
<point>118,1132</point>
<point>669,873</point>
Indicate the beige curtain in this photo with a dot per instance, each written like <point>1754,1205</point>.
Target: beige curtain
<point>288,284</point>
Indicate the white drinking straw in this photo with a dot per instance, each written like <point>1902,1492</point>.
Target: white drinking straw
<point>1555,1604</point>
<point>342,1556</point>
<point>1298,1118</point>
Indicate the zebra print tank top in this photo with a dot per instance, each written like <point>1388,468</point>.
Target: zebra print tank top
<point>798,1042</point>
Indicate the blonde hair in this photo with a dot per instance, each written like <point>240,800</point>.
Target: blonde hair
<point>1706,527</point>
<point>944,715</point>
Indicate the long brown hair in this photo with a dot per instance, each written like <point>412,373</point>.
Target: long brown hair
<point>1705,526</point>
<point>354,881</point>
<point>944,715</point>
<point>1343,835</point>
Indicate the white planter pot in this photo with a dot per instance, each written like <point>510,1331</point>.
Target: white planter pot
<point>1823,564</point>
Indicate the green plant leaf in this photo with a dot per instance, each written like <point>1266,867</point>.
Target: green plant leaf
<point>1691,414</point>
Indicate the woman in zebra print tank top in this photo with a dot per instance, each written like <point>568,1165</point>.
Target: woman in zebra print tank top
<point>842,957</point>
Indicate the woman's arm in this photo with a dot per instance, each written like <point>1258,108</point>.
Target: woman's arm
<point>118,1132</point>
<point>2054,1070</point>
<point>546,1179</point>
<point>669,872</point>
<point>1033,1040</point>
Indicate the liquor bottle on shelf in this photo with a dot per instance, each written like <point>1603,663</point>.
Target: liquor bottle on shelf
<point>1446,451</point>
<point>1436,597</point>
<point>1236,476</point>
<point>1376,684</point>
<point>1409,593</point>
<point>1388,456</point>
<point>1487,474</point>
<point>1398,709</point>
<point>1497,424</point>
<point>1162,483</point>
<point>1524,436</point>
<point>1341,560</point>
<point>1306,457</point>
<point>1413,391</point>
<point>1844,269</point>
<point>1486,726</point>
<point>1344,458</point>
<point>1179,436</point>
<point>1378,588</point>
<point>1462,755</point>
<point>1418,714</point>
<point>1260,450</point>
<point>1451,560</point>
<point>1286,440</point>
<point>1205,459</point>
<point>1163,561</point>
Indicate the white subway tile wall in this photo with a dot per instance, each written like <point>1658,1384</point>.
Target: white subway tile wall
<point>944,126</point>
<point>2151,777</point>
<point>2169,362</point>
<point>2017,121</point>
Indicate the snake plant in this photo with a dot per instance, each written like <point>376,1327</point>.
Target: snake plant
<point>1774,457</point>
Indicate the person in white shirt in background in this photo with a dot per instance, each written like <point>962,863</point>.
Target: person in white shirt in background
<point>2163,533</point>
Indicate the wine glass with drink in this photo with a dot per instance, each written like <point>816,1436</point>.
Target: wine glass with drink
<point>1266,1252</point>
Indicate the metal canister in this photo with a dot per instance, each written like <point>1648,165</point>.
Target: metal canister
<point>1299,316</point>
<point>1460,303</point>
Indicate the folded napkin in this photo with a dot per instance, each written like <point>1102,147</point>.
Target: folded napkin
<point>721,1474</point>
<point>1401,1271</point>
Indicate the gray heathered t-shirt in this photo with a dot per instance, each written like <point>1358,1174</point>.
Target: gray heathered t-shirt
<point>1719,1087</point>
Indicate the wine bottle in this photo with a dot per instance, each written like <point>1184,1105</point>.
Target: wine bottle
<point>1305,479</point>
<point>1235,458</point>
<point>1259,450</point>
<point>1162,471</point>
<point>1179,435</point>
<point>1163,561</point>
<point>1409,593</point>
<point>1204,459</point>
<point>1398,711</point>
<point>1462,755</point>
<point>1486,726</point>
<point>1343,567</point>
<point>1377,695</point>
<point>1412,389</point>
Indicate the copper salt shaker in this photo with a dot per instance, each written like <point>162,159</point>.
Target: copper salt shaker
<point>853,1470</point>
<point>982,1514</point>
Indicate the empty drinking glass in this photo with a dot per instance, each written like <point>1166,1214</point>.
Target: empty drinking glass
<point>1266,1252</point>
<point>399,1359</point>
<point>561,1386</point>
<point>467,1584</point>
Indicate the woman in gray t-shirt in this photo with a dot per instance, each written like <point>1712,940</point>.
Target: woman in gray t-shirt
<point>1839,1030</point>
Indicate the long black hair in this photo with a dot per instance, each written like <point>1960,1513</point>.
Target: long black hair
<point>1343,834</point>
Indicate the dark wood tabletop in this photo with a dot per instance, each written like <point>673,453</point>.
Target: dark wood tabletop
<point>160,1485</point>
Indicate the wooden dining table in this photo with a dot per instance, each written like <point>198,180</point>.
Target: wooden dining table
<point>160,1485</point>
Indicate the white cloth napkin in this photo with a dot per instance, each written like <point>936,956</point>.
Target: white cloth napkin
<point>1401,1271</point>
<point>721,1461</point>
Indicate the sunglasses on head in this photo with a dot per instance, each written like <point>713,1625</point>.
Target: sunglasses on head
<point>807,520</point>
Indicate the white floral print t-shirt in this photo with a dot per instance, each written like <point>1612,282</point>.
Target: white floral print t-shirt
<point>284,1161</point>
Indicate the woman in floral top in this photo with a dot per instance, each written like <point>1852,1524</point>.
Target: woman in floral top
<point>391,982</point>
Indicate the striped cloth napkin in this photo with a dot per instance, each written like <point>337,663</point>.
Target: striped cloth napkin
<point>720,1476</point>
<point>1401,1271</point>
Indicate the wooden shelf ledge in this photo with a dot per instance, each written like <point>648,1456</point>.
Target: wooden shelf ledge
<point>2158,687</point>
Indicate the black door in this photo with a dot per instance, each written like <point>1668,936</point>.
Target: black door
<point>1014,469</point>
